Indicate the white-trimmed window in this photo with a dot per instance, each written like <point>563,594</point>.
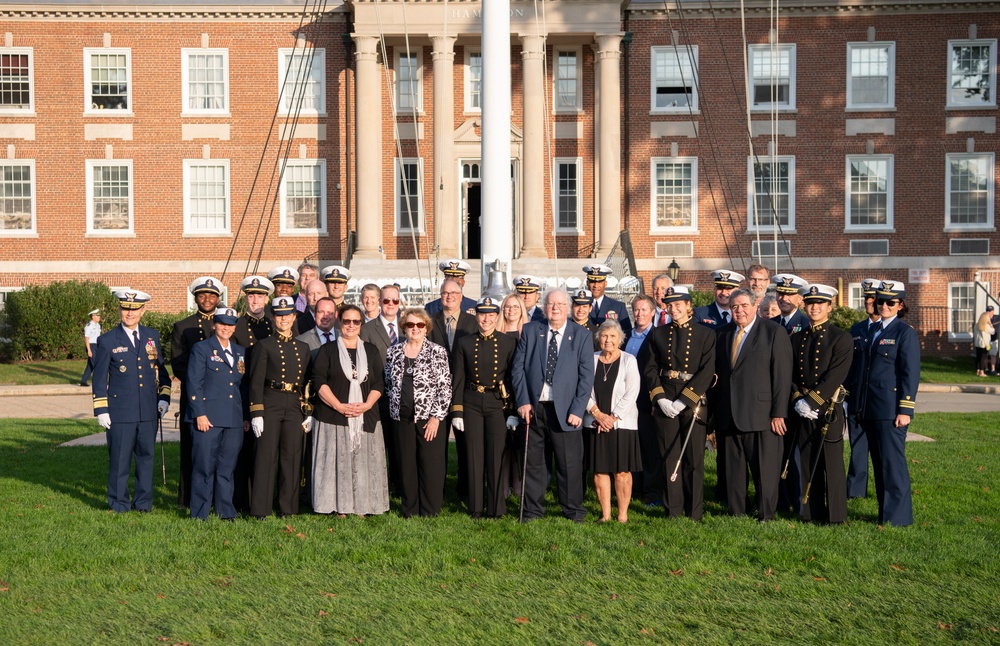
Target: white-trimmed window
<point>674,79</point>
<point>871,75</point>
<point>205,81</point>
<point>674,196</point>
<point>962,306</point>
<point>303,197</point>
<point>409,206</point>
<point>206,196</point>
<point>567,90</point>
<point>772,77</point>
<point>17,80</point>
<point>109,197</point>
<point>969,191</point>
<point>569,193</point>
<point>855,297</point>
<point>107,80</point>
<point>409,76</point>
<point>4,293</point>
<point>972,73</point>
<point>17,197</point>
<point>869,192</point>
<point>771,192</point>
<point>302,81</point>
<point>473,80</point>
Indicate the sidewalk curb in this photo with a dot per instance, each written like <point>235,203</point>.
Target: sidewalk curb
<point>9,390</point>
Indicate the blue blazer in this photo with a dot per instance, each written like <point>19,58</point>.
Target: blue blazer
<point>539,314</point>
<point>574,376</point>
<point>435,306</point>
<point>129,382</point>
<point>598,315</point>
<point>884,381</point>
<point>213,388</point>
<point>797,323</point>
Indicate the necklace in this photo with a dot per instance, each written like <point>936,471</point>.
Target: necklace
<point>607,368</point>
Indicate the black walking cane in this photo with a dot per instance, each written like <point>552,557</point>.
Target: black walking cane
<point>694,419</point>
<point>524,468</point>
<point>838,397</point>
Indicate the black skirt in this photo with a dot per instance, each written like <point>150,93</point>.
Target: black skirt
<point>617,450</point>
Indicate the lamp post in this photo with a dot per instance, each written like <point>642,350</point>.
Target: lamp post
<point>673,269</point>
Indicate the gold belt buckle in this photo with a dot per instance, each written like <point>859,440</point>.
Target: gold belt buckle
<point>674,374</point>
<point>480,389</point>
<point>286,387</point>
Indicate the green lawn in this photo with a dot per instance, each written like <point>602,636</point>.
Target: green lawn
<point>960,370</point>
<point>72,572</point>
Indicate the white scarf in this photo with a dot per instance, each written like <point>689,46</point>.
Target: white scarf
<point>355,375</point>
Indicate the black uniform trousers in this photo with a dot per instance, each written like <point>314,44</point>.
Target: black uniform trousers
<point>422,467</point>
<point>892,474</point>
<point>214,454</point>
<point>279,447</point>
<point>857,468</point>
<point>512,462</point>
<point>243,473</point>
<point>790,487</point>
<point>828,494</point>
<point>761,451</point>
<point>686,495</point>
<point>485,435</point>
<point>567,449</point>
<point>125,441</point>
<point>184,481</point>
<point>649,447</point>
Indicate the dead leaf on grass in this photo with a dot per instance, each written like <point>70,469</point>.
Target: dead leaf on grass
<point>224,581</point>
<point>161,638</point>
<point>161,596</point>
<point>522,620</point>
<point>614,595</point>
<point>323,613</point>
<point>3,586</point>
<point>649,632</point>
<point>300,535</point>
<point>355,640</point>
<point>943,626</point>
<point>769,571</point>
<point>980,468</point>
<point>472,560</point>
<point>642,543</point>
<point>677,572</point>
<point>553,547</point>
<point>819,578</point>
<point>704,573</point>
<point>897,567</point>
<point>329,595</point>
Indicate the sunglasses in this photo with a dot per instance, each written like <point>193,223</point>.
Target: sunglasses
<point>419,325</point>
<point>394,301</point>
<point>350,321</point>
<point>891,302</point>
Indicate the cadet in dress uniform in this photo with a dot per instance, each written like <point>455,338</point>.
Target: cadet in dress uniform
<point>787,290</point>
<point>605,307</point>
<point>252,327</point>
<point>278,410</point>
<point>528,289</point>
<point>480,405</point>
<point>857,468</point>
<point>678,364</point>
<point>283,279</point>
<point>215,412</point>
<point>581,302</point>
<point>718,314</point>
<point>821,359</point>
<point>183,336</point>
<point>336,277</point>
<point>886,383</point>
<point>456,270</point>
<point>131,392</point>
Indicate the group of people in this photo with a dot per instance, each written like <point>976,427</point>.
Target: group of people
<point>307,397</point>
<point>984,340</point>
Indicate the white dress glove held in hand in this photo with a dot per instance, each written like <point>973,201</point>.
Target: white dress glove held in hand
<point>163,407</point>
<point>307,424</point>
<point>458,424</point>
<point>512,422</point>
<point>667,407</point>
<point>104,420</point>
<point>257,424</point>
<point>679,406</point>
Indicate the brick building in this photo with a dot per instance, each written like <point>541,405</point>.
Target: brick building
<point>143,144</point>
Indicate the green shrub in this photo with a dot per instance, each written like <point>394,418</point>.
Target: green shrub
<point>702,297</point>
<point>845,317</point>
<point>45,322</point>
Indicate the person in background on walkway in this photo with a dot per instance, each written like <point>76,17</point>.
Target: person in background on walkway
<point>995,322</point>
<point>857,468</point>
<point>131,392</point>
<point>612,441</point>
<point>983,341</point>
<point>215,371</point>
<point>419,387</point>
<point>370,296</point>
<point>308,272</point>
<point>91,332</point>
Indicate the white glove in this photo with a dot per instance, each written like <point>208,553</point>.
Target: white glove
<point>104,420</point>
<point>512,422</point>
<point>667,407</point>
<point>679,406</point>
<point>804,411</point>
<point>307,424</point>
<point>458,423</point>
<point>163,407</point>
<point>257,424</point>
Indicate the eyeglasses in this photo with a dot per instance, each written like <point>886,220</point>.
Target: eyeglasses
<point>510,308</point>
<point>891,302</point>
<point>394,301</point>
<point>418,324</point>
<point>451,293</point>
<point>350,321</point>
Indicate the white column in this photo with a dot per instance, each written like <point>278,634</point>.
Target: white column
<point>533,155</point>
<point>446,216</point>
<point>609,206</point>
<point>498,231</point>
<point>368,120</point>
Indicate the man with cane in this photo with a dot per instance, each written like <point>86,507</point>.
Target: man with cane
<point>821,359</point>
<point>678,364</point>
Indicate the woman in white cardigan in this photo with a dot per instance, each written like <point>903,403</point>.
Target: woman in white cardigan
<point>612,422</point>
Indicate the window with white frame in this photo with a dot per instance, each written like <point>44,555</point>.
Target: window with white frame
<point>109,197</point>
<point>303,197</point>
<point>5,292</point>
<point>409,73</point>
<point>409,206</point>
<point>17,197</point>
<point>302,80</point>
<point>962,297</point>
<point>569,194</point>
<point>675,79</point>
<point>869,191</point>
<point>473,80</point>
<point>871,75</point>
<point>772,77</point>
<point>206,196</point>
<point>17,91</point>
<point>969,192</point>
<point>972,73</point>
<point>855,297</point>
<point>567,90</point>
<point>205,81</point>
<point>675,195</point>
<point>772,193</point>
<point>108,80</point>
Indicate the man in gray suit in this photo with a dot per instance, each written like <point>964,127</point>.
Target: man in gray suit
<point>323,332</point>
<point>753,360</point>
<point>383,332</point>
<point>553,374</point>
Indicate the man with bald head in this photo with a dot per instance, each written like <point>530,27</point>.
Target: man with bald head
<point>315,290</point>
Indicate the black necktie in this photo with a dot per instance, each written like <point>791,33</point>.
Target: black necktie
<point>725,318</point>
<point>326,338</point>
<point>550,359</point>
<point>135,339</point>
<point>229,357</point>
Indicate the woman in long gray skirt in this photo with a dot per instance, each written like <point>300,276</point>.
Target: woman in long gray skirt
<point>348,468</point>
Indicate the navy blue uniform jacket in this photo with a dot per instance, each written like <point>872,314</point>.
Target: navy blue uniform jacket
<point>608,304</point>
<point>129,382</point>
<point>884,375</point>
<point>213,388</point>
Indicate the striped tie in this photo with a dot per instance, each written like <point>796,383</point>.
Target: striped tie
<point>393,339</point>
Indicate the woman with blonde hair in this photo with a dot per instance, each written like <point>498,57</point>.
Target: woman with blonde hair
<point>513,316</point>
<point>983,335</point>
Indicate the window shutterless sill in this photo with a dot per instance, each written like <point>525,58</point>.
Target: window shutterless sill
<point>221,234</point>
<point>980,229</point>
<point>111,114</point>
<point>864,230</point>
<point>686,231</point>
<point>674,113</point>
<point>301,234</point>
<point>17,234</point>
<point>127,234</point>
